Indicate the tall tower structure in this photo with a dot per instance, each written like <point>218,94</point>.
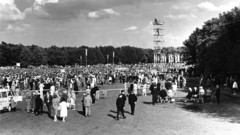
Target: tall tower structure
<point>158,39</point>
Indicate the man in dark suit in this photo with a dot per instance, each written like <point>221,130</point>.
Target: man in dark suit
<point>120,104</point>
<point>154,92</point>
<point>132,99</point>
<point>38,106</point>
<point>93,93</point>
<point>48,102</point>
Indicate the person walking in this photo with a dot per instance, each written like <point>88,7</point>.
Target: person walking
<point>154,92</point>
<point>120,104</point>
<point>83,107</point>
<point>55,105</point>
<point>72,97</point>
<point>39,106</point>
<point>48,102</point>
<point>132,99</point>
<point>93,93</point>
<point>28,101</point>
<point>87,104</point>
<point>63,108</point>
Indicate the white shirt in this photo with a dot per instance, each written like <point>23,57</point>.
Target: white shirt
<point>52,89</point>
<point>235,85</point>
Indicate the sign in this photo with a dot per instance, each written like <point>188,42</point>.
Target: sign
<point>18,64</point>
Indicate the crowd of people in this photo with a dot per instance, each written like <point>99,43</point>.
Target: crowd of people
<point>57,87</point>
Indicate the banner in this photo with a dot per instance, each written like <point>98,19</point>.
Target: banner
<point>113,54</point>
<point>86,52</point>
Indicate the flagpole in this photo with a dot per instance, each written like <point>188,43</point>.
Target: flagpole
<point>113,57</point>
<point>86,56</point>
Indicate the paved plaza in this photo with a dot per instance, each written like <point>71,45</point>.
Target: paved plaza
<point>167,119</point>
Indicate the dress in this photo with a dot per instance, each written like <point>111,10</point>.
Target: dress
<point>63,109</point>
<point>41,90</point>
<point>55,103</point>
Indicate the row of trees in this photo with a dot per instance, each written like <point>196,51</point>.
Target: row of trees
<point>216,46</point>
<point>10,54</point>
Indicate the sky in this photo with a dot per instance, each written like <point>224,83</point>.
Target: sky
<point>104,22</point>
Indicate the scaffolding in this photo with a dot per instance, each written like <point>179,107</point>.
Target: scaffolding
<point>158,39</point>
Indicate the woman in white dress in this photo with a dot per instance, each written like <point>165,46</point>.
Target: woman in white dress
<point>41,86</point>
<point>135,87</point>
<point>63,109</point>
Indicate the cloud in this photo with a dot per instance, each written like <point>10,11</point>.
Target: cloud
<point>211,7</point>
<point>38,7</point>
<point>104,13</point>
<point>190,16</point>
<point>43,2</point>
<point>149,28</point>
<point>10,12</point>
<point>131,28</point>
<point>172,37</point>
<point>19,27</point>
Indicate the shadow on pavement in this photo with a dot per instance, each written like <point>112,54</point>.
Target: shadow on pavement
<point>147,102</point>
<point>81,112</point>
<point>110,115</point>
<point>113,111</point>
<point>229,112</point>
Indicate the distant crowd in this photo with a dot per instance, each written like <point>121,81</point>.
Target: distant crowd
<point>58,87</point>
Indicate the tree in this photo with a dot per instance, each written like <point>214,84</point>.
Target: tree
<point>26,57</point>
<point>40,55</point>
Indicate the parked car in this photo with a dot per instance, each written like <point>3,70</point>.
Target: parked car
<point>8,101</point>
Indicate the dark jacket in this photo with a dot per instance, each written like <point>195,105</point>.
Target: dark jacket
<point>132,98</point>
<point>153,89</point>
<point>39,102</point>
<point>121,101</point>
<point>94,90</point>
<point>46,99</point>
<point>163,93</point>
<point>217,93</point>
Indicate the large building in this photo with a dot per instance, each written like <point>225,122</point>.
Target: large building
<point>166,57</point>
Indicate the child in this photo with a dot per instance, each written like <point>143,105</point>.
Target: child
<point>63,108</point>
